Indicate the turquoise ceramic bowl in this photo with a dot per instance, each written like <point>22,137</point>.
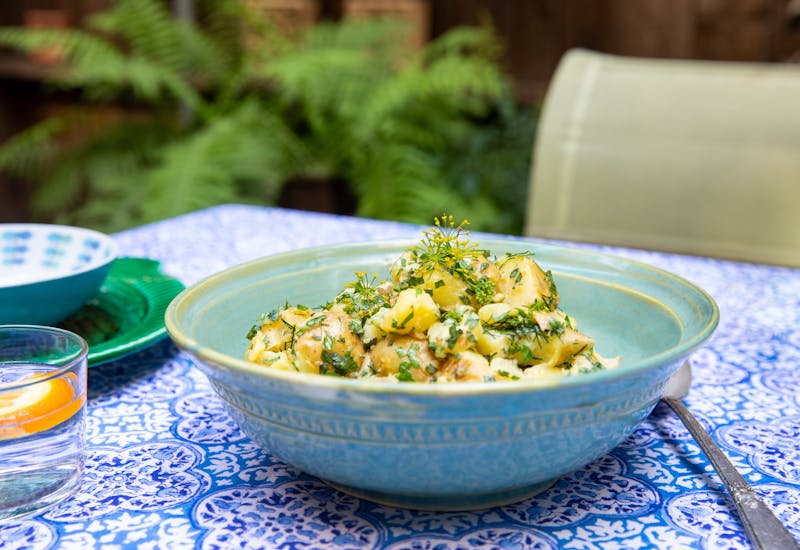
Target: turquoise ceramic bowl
<point>459,446</point>
<point>47,272</point>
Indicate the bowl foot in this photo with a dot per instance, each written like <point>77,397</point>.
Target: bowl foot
<point>447,503</point>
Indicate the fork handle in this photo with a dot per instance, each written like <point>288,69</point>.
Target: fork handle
<point>764,529</point>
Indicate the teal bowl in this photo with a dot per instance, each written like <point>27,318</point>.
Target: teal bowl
<point>447,446</point>
<point>47,272</point>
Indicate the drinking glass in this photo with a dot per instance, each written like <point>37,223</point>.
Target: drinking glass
<point>42,417</point>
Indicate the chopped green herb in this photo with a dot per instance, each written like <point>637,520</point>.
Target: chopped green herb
<point>556,327</point>
<point>455,333</point>
<point>402,324</point>
<point>314,321</point>
<point>341,364</point>
<point>526,354</point>
<point>356,327</point>
<point>403,374</point>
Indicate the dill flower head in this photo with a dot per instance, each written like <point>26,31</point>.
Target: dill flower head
<point>446,243</point>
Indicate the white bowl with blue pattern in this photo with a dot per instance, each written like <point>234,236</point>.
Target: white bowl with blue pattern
<point>47,272</point>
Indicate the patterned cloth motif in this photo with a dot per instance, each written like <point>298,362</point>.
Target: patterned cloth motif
<point>168,468</point>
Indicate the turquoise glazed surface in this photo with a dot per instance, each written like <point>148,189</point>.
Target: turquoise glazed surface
<point>47,272</point>
<point>449,447</point>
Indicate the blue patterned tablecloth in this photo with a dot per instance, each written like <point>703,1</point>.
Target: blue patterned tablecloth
<point>168,469</point>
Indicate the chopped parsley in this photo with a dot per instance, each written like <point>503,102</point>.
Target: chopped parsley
<point>337,363</point>
<point>556,327</point>
<point>526,355</point>
<point>409,356</point>
<point>402,324</point>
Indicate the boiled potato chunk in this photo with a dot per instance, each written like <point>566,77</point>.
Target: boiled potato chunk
<point>405,357</point>
<point>493,343</point>
<point>275,332</point>
<point>448,291</point>
<point>522,282</point>
<point>326,344</point>
<point>467,367</point>
<point>403,268</point>
<point>494,314</point>
<point>505,369</point>
<point>484,267</point>
<point>273,359</point>
<point>455,335</point>
<point>552,320</point>
<point>413,312</point>
<point>551,350</point>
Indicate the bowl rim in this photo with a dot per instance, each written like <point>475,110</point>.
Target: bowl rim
<point>102,260</point>
<point>673,355</point>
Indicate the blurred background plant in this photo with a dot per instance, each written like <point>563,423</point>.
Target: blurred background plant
<point>217,119</point>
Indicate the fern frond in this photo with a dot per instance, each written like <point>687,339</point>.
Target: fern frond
<point>88,169</point>
<point>206,168</point>
<point>95,64</point>
<point>451,88</point>
<point>264,151</point>
<point>494,163</point>
<point>463,41</point>
<point>402,183</point>
<point>143,78</point>
<point>383,38</point>
<point>336,67</point>
<point>113,208</point>
<point>470,83</point>
<point>117,194</point>
<point>24,154</point>
<point>323,82</point>
<point>58,191</point>
<point>152,33</point>
<point>223,22</point>
<point>74,45</point>
<point>187,180</point>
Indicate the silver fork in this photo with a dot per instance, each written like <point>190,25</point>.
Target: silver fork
<point>764,529</point>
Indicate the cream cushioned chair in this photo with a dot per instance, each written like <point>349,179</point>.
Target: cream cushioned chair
<point>695,157</point>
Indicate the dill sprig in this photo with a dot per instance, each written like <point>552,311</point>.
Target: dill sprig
<point>448,245</point>
<point>361,297</point>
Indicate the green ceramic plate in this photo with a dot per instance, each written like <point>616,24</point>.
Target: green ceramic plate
<point>127,314</point>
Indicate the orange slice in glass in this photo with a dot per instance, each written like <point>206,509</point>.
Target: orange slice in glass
<point>38,407</point>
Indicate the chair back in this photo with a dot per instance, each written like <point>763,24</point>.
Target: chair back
<point>694,157</point>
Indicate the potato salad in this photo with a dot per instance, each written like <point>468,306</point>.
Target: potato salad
<point>451,312</point>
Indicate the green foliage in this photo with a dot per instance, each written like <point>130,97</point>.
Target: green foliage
<point>222,119</point>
